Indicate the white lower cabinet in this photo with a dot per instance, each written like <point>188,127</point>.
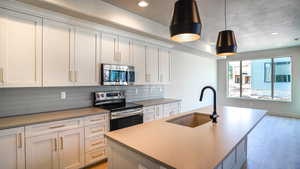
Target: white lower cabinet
<point>42,152</point>
<point>12,148</point>
<point>237,158</point>
<point>62,150</point>
<point>67,144</point>
<point>149,114</point>
<point>71,149</point>
<point>95,143</point>
<point>157,112</point>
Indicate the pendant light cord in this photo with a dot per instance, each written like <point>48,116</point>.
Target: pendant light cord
<point>225,14</point>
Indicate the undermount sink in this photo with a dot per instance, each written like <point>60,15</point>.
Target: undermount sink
<point>191,120</point>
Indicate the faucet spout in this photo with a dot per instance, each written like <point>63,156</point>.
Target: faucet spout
<point>214,115</point>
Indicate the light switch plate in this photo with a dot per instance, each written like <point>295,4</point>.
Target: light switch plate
<point>63,95</point>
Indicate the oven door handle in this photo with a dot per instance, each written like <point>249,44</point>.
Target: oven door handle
<point>123,115</point>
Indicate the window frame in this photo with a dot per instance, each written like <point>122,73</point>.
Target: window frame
<point>272,79</point>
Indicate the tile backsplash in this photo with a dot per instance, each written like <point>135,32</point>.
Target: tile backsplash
<point>18,101</point>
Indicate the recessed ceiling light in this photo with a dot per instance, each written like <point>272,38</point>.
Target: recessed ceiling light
<point>275,33</point>
<point>143,4</point>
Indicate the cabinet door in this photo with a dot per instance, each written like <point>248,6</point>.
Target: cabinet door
<point>86,53</point>
<point>125,51</point>
<point>149,116</point>
<point>42,152</point>
<point>12,149</point>
<point>159,112</point>
<point>139,62</point>
<point>151,64</point>
<point>71,147</point>
<point>58,52</point>
<point>164,66</point>
<point>20,50</point>
<point>109,48</point>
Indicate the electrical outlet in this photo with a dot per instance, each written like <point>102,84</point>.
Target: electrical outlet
<point>136,91</point>
<point>63,95</point>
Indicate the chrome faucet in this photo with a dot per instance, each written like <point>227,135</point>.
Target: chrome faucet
<point>214,115</point>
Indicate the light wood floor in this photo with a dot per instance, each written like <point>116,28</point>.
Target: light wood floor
<point>273,144</point>
<point>99,166</point>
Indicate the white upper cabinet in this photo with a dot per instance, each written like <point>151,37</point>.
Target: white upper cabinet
<point>139,62</point>
<point>12,149</point>
<point>87,57</point>
<point>124,50</point>
<point>58,54</point>
<point>152,65</point>
<point>71,148</point>
<point>164,66</point>
<point>109,47</point>
<point>20,50</point>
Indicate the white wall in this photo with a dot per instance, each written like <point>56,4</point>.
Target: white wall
<point>190,73</point>
<point>272,106</point>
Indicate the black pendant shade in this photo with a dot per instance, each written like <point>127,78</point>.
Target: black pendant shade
<point>226,43</point>
<point>186,24</point>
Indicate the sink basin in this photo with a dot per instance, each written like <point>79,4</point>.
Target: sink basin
<point>191,120</point>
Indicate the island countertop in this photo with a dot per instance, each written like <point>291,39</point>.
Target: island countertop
<point>181,147</point>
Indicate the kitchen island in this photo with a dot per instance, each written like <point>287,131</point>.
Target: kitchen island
<point>163,145</point>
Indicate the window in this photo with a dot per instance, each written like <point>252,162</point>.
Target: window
<point>266,79</point>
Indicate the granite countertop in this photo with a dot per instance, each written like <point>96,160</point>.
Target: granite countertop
<point>24,120</point>
<point>202,147</point>
<point>152,102</point>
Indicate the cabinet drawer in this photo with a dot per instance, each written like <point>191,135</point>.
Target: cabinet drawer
<point>95,130</point>
<point>102,118</point>
<point>150,109</point>
<point>94,143</point>
<point>150,116</point>
<point>40,129</point>
<point>230,160</point>
<point>94,156</point>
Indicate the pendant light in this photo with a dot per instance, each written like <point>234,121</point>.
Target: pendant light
<point>186,23</point>
<point>226,43</point>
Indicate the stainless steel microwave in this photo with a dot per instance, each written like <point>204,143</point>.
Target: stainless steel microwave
<point>117,75</point>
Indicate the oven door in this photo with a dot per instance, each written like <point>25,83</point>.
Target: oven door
<point>125,119</point>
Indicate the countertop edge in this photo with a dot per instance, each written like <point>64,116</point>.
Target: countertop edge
<point>101,111</point>
<point>153,102</point>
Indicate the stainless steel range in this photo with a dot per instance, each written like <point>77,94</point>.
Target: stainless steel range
<point>122,114</point>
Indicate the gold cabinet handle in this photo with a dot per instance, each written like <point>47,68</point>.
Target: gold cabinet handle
<point>55,127</point>
<point>61,143</point>
<point>98,143</point>
<point>93,120</point>
<point>97,131</point>
<point>98,155</point>
<point>55,144</point>
<point>20,140</point>
<point>76,76</point>
<point>71,76</point>
<point>1,75</point>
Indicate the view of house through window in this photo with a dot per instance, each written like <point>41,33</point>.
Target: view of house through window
<point>266,79</point>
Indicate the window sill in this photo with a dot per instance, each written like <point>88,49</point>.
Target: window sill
<point>267,100</point>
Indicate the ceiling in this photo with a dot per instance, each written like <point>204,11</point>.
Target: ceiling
<point>253,21</point>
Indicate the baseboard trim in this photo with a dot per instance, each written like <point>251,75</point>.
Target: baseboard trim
<point>289,115</point>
